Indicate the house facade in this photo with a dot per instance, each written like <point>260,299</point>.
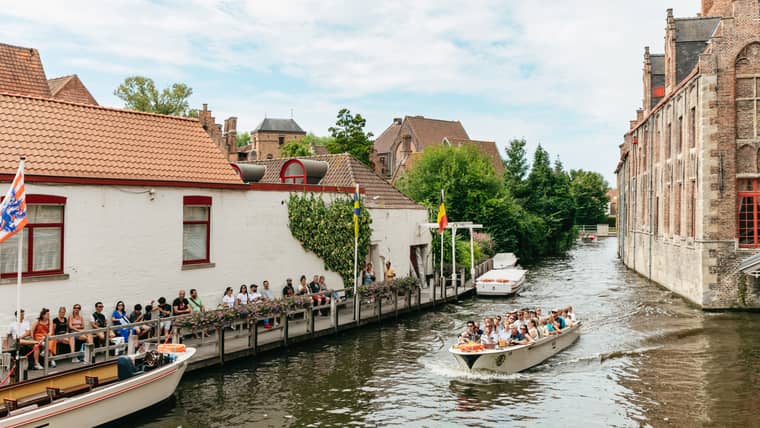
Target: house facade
<point>398,234</point>
<point>688,175</point>
<point>402,143</point>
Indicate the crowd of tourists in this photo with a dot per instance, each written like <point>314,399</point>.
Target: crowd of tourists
<point>31,336</point>
<point>520,327</point>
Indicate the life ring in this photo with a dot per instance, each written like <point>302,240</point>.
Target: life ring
<point>171,348</point>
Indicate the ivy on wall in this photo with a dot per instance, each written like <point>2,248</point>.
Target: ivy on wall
<point>327,230</point>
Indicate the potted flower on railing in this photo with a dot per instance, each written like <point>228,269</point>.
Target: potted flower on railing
<point>265,309</point>
<point>386,289</point>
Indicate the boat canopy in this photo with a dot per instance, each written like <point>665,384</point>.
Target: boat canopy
<point>500,275</point>
<point>504,260</point>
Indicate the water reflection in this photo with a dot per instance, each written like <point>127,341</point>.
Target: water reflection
<point>645,359</point>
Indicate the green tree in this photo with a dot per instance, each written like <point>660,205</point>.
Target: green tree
<point>243,139</point>
<point>589,191</point>
<point>349,136</point>
<point>464,173</point>
<point>295,148</point>
<point>312,139</point>
<point>516,166</point>
<point>140,93</point>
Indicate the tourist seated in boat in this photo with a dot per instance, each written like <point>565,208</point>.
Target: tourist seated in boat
<point>471,334</point>
<point>490,336</point>
<point>137,316</point>
<point>98,320</point>
<point>119,317</point>
<point>164,311</point>
<point>21,331</point>
<point>560,322</point>
<point>527,339</point>
<point>76,324</point>
<point>552,328</point>
<point>533,329</point>
<point>61,326</point>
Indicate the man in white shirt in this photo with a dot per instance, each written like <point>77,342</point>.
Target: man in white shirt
<point>21,331</point>
<point>254,295</point>
<point>266,293</point>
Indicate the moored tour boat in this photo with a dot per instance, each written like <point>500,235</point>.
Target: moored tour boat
<point>95,394</point>
<point>513,359</point>
<point>504,280</point>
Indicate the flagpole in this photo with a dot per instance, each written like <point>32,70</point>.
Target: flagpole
<point>443,278</point>
<point>356,254</point>
<point>19,262</point>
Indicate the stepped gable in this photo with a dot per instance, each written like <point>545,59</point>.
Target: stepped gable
<point>21,72</point>
<point>63,139</point>
<point>346,171</point>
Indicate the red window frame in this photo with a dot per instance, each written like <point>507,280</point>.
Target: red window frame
<point>29,232</point>
<point>747,230</point>
<point>293,179</point>
<point>198,201</point>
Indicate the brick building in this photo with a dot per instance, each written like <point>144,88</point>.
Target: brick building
<point>689,172</point>
<point>224,137</point>
<point>270,135</point>
<point>402,143</point>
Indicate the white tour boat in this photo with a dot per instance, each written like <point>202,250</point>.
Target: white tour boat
<point>95,394</point>
<point>513,359</point>
<point>500,282</point>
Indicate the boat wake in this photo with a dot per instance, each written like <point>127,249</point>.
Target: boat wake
<point>454,372</point>
<point>600,357</point>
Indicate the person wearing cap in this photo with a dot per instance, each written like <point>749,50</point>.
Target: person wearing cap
<point>254,294</point>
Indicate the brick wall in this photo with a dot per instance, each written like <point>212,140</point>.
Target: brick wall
<point>267,144</point>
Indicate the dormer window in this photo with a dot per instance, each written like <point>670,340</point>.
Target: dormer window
<point>303,171</point>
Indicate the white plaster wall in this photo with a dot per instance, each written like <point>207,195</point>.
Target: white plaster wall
<point>394,231</point>
<point>121,245</point>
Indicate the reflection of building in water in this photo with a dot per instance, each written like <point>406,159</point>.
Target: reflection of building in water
<point>689,179</point>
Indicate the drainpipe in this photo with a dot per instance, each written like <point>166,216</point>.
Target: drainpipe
<point>650,141</point>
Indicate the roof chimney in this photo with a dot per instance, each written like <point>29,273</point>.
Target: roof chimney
<point>397,121</point>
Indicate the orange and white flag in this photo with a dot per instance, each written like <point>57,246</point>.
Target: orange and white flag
<point>13,207</point>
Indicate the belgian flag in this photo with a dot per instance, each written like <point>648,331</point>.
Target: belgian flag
<point>442,219</point>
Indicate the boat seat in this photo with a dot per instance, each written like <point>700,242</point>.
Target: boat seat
<point>72,391</point>
<point>95,381</point>
<point>36,399</point>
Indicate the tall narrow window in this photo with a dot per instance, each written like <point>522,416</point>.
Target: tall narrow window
<point>196,229</point>
<point>693,127</point>
<point>280,140</point>
<point>748,198</point>
<point>693,209</point>
<point>677,210</point>
<point>42,239</point>
<point>679,136</point>
<point>668,140</point>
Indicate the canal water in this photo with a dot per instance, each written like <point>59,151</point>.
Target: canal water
<point>645,358</point>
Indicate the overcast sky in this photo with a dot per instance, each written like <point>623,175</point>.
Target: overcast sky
<point>566,74</point>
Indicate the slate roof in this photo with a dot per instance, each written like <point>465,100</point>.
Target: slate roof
<point>279,125</point>
<point>65,139</point>
<point>21,72</point>
<point>658,63</point>
<point>346,171</point>
<point>70,88</point>
<point>692,35</point>
<point>489,148</point>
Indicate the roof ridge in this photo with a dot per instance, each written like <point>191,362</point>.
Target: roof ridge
<point>430,118</point>
<point>696,18</point>
<point>68,76</point>
<point>17,46</point>
<point>96,107</point>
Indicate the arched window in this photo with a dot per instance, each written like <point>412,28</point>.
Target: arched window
<point>303,171</point>
<point>748,92</point>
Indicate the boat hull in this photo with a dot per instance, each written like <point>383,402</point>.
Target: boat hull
<point>108,403</point>
<point>517,358</point>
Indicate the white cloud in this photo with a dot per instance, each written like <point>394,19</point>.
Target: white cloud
<point>573,58</point>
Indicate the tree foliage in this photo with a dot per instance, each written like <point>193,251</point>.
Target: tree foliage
<point>140,93</point>
<point>589,191</point>
<point>531,212</point>
<point>312,139</point>
<point>242,139</point>
<point>295,148</point>
<point>349,136</point>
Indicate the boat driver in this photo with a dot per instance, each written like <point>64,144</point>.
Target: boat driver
<point>471,334</point>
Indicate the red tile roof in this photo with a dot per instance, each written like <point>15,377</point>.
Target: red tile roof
<point>70,88</point>
<point>21,72</point>
<point>65,139</point>
<point>346,171</point>
<point>385,140</point>
<point>433,131</point>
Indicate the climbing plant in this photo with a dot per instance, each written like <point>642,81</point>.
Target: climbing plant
<point>327,230</point>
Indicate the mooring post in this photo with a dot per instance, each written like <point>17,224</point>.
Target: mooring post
<point>285,329</point>
<point>334,313</point>
<point>256,340</point>
<point>220,334</point>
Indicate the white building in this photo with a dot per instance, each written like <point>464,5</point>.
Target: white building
<point>133,206</point>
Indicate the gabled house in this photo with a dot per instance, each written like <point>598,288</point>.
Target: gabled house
<point>400,145</point>
<point>70,88</point>
<point>271,135</point>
